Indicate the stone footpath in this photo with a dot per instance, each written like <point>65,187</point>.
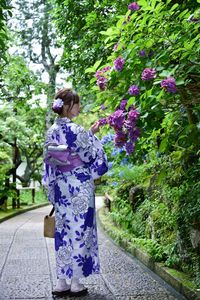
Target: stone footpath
<point>27,266</point>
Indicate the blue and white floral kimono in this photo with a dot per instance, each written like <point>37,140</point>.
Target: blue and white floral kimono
<point>73,159</point>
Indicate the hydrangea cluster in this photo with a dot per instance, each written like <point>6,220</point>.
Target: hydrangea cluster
<point>134,90</point>
<point>142,53</point>
<point>145,53</point>
<point>123,104</point>
<point>119,64</point>
<point>148,74</point>
<point>169,85</point>
<point>101,78</point>
<point>133,6</point>
<point>116,46</point>
<point>124,124</point>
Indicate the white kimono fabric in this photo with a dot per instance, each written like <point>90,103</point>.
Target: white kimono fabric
<point>70,189</point>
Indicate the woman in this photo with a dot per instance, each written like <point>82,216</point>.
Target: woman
<point>73,159</point>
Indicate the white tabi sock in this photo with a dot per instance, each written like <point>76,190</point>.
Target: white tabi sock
<point>76,286</point>
<point>61,285</point>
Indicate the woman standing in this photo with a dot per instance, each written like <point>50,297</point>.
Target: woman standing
<point>73,159</point>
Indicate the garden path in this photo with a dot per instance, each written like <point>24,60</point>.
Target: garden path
<point>27,266</point>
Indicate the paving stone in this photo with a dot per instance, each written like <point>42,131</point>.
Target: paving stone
<point>25,287</point>
<point>26,266</point>
<point>25,244</point>
<point>147,297</point>
<point>138,283</point>
<point>30,270</point>
<point>28,253</point>
<point>116,261</point>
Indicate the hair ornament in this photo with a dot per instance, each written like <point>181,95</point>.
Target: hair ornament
<point>57,103</point>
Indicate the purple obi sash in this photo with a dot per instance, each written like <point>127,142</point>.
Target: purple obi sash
<point>62,158</point>
<point>74,161</point>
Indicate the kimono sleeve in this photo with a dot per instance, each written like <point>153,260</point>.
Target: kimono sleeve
<point>89,149</point>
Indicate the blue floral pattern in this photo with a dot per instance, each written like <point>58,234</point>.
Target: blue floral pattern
<point>72,194</point>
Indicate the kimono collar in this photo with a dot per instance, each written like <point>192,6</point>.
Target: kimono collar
<point>63,120</point>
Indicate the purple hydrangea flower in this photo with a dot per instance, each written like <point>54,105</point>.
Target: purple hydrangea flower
<point>117,119</point>
<point>142,53</point>
<point>169,85</point>
<point>103,106</point>
<point>120,139</point>
<point>148,74</point>
<point>99,74</point>
<point>123,104</point>
<point>134,134</point>
<point>129,146</point>
<point>151,53</point>
<point>119,64</point>
<point>106,69</point>
<point>133,6</point>
<point>103,121</point>
<point>116,46</point>
<point>101,82</point>
<point>57,104</point>
<point>128,124</point>
<point>133,115</point>
<point>134,90</point>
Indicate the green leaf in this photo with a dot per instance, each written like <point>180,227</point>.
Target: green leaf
<point>166,73</point>
<point>93,80</point>
<point>97,64</point>
<point>180,82</point>
<point>161,176</point>
<point>90,70</point>
<point>144,116</point>
<point>163,145</point>
<point>130,101</point>
<point>174,7</point>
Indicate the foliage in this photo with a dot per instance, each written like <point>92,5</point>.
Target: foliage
<point>5,13</point>
<point>36,40</point>
<point>79,24</point>
<point>166,159</point>
<point>22,123</point>
<point>5,10</point>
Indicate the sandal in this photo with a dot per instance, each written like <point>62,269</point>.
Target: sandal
<point>79,293</point>
<point>61,293</point>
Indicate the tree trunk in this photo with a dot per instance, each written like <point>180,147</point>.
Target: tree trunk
<point>14,174</point>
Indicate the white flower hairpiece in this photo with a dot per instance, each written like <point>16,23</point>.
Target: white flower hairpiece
<point>57,103</point>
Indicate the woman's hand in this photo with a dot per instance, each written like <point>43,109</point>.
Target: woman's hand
<point>95,127</point>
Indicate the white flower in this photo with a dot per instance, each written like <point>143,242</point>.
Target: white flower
<point>88,237</point>
<point>64,255</point>
<point>59,223</point>
<point>83,139</point>
<point>80,204</point>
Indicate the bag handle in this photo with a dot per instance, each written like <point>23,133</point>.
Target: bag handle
<point>52,211</point>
